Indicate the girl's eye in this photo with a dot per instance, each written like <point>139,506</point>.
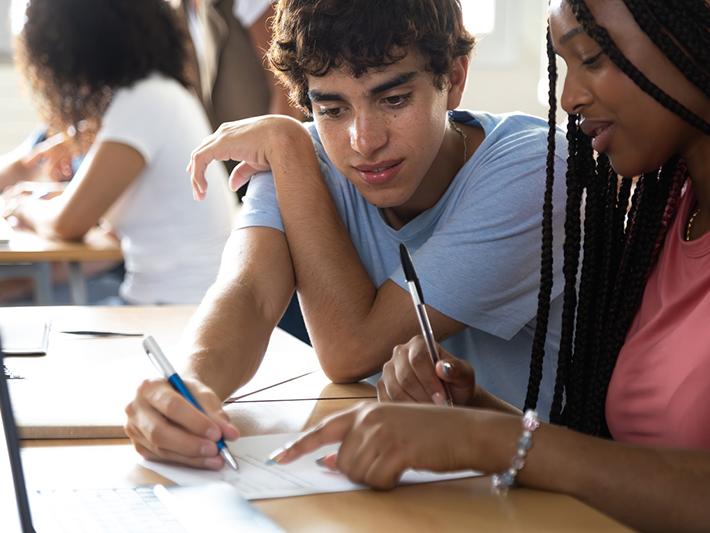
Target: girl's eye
<point>593,61</point>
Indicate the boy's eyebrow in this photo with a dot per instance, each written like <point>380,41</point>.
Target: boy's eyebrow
<point>399,79</point>
<point>317,96</point>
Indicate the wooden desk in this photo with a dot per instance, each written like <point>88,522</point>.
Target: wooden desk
<point>462,505</point>
<point>28,254</point>
<point>81,387</point>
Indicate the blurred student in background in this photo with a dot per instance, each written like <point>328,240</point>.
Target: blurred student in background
<point>230,38</point>
<point>114,82</point>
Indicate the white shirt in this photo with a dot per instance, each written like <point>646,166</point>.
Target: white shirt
<point>249,11</point>
<point>171,243</point>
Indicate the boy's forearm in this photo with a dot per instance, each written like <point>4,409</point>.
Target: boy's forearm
<point>335,291</point>
<point>228,335</point>
<point>227,342</point>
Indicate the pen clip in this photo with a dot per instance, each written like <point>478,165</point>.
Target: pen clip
<point>157,357</point>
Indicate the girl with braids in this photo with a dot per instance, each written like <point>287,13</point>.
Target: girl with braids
<point>111,75</point>
<point>633,376</point>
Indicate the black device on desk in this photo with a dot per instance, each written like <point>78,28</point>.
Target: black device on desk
<point>133,510</point>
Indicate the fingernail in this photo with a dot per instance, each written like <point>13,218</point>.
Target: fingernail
<point>213,434</point>
<point>213,462</point>
<point>208,450</point>
<point>328,461</point>
<point>447,367</point>
<point>277,455</point>
<point>438,398</point>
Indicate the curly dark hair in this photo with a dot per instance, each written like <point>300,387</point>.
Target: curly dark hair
<point>311,37</point>
<point>623,231</point>
<point>75,53</point>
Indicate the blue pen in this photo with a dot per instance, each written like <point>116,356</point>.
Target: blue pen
<point>161,362</point>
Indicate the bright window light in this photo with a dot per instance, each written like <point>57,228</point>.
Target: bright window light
<point>479,16</point>
<point>17,15</point>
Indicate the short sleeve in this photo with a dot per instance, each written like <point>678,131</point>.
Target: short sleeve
<point>147,100</point>
<point>488,244</point>
<point>260,206</point>
<point>248,11</point>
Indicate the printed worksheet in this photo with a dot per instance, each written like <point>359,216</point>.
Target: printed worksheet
<point>257,479</point>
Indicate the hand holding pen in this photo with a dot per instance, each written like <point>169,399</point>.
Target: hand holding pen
<point>418,298</point>
<point>161,362</point>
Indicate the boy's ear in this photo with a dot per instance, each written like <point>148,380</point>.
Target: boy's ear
<point>457,81</point>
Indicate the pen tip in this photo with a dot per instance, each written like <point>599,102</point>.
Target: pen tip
<point>229,459</point>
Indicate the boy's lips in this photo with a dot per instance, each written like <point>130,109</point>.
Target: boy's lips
<point>380,172</point>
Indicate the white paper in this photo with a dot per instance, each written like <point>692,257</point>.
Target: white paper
<point>256,479</point>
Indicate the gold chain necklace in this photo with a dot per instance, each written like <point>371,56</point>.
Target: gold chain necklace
<point>464,138</point>
<point>689,226</point>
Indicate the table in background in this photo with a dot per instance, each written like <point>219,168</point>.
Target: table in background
<point>30,255</point>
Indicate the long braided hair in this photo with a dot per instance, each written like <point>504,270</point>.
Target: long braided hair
<point>625,220</point>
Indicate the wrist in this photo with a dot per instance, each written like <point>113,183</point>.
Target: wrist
<point>491,440</point>
<point>289,138</point>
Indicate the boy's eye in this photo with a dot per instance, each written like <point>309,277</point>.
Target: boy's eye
<point>397,99</point>
<point>330,112</point>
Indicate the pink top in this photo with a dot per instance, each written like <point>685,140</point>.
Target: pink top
<point>660,388</point>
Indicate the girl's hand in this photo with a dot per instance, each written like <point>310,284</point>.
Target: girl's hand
<point>410,376</point>
<point>55,154</point>
<point>381,441</point>
<point>253,141</point>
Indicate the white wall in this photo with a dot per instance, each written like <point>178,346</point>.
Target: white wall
<point>505,69</point>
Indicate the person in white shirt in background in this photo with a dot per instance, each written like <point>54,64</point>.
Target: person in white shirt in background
<point>115,79</point>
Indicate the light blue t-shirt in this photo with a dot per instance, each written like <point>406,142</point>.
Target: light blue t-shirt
<point>476,252</point>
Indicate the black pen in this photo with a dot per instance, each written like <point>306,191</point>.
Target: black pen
<point>98,333</point>
<point>418,298</point>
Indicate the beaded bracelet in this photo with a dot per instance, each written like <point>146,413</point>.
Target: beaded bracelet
<point>500,483</point>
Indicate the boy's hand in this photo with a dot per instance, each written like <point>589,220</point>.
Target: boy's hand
<point>164,426</point>
<point>253,142</point>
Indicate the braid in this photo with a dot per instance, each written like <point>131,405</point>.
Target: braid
<point>546,268</point>
<point>651,26</point>
<point>688,24</point>
<point>601,36</point>
<point>569,269</point>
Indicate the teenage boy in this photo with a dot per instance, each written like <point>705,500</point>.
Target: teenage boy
<point>385,161</point>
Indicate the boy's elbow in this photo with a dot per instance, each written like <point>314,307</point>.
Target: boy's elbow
<point>339,375</point>
<point>343,363</point>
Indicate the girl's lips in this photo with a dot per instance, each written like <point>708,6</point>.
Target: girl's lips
<point>600,131</point>
<point>602,138</point>
<point>380,173</point>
